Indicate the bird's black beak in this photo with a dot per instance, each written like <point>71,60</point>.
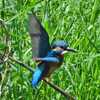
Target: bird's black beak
<point>69,50</point>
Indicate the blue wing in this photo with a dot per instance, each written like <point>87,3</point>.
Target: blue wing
<point>39,37</point>
<point>50,59</point>
<point>37,75</point>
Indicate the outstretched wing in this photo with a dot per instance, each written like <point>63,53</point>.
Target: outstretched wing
<point>39,37</point>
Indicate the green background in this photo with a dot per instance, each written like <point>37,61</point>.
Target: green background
<point>75,21</point>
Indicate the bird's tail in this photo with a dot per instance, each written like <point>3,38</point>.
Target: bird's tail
<point>37,75</point>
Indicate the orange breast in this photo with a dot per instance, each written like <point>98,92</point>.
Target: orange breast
<point>51,68</point>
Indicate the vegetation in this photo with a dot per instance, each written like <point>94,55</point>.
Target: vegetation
<point>76,21</point>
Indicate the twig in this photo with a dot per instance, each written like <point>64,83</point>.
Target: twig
<point>67,95</point>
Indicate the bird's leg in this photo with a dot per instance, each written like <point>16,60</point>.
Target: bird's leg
<point>47,78</point>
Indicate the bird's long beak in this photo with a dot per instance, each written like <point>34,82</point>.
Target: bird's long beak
<point>64,52</point>
<point>68,50</point>
<point>71,49</point>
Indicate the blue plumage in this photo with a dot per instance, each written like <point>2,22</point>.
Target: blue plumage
<point>50,59</point>
<point>44,68</point>
<point>51,56</point>
<point>37,75</point>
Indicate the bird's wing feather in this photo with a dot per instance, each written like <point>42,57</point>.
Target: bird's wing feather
<point>39,37</point>
<point>37,75</point>
<point>50,59</point>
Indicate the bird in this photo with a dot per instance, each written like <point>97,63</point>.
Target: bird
<point>49,57</point>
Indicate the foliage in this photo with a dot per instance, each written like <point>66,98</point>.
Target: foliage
<point>76,21</point>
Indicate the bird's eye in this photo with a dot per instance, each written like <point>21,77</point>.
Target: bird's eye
<point>62,47</point>
<point>53,46</point>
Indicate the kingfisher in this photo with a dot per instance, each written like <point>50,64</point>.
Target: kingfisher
<point>49,57</point>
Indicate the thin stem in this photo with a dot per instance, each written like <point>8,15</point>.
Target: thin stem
<point>60,90</point>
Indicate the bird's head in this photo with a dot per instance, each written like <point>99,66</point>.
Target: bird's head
<point>62,46</point>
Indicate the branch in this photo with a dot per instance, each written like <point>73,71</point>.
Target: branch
<point>67,95</point>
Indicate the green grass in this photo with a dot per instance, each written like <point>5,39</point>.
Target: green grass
<point>76,21</point>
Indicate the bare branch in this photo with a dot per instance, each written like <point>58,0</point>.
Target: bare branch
<point>60,90</point>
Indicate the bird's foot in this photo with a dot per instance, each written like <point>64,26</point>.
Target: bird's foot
<point>46,78</point>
